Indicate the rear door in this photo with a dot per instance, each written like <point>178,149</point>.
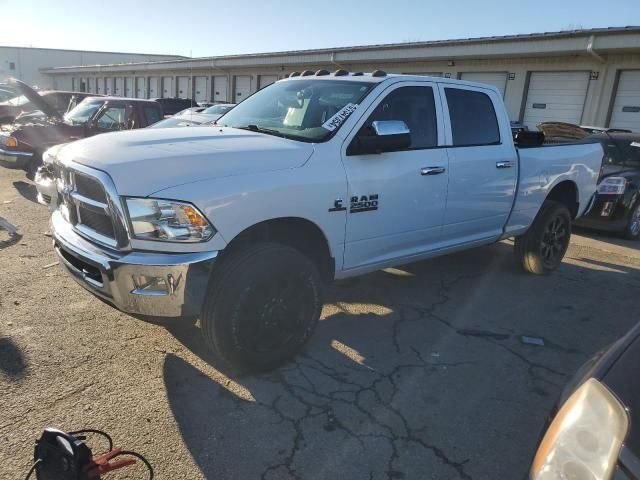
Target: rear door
<point>395,209</point>
<point>200,89</point>
<point>184,89</point>
<point>168,91</point>
<point>625,112</point>
<point>220,89</point>
<point>242,88</point>
<point>555,97</point>
<point>496,79</point>
<point>483,164</point>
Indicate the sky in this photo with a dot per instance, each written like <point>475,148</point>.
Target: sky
<point>222,27</point>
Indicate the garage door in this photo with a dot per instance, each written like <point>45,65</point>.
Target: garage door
<point>154,87</point>
<point>626,106</point>
<point>496,79</point>
<point>555,96</point>
<point>118,88</point>
<point>220,89</point>
<point>200,94</point>
<point>100,85</point>
<point>242,88</point>
<point>91,85</point>
<point>425,74</point>
<point>108,85</point>
<point>184,90</point>
<point>167,87</point>
<point>267,80</point>
<point>128,87</point>
<point>140,87</point>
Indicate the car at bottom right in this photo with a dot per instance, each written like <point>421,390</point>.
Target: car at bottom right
<point>594,434</point>
<point>616,206</point>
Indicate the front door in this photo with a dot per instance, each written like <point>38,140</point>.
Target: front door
<point>397,199</point>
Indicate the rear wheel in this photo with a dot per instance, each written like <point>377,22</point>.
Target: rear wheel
<point>632,232</point>
<point>543,247</point>
<point>262,305</point>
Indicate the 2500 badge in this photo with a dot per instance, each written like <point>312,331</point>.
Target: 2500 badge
<point>364,203</point>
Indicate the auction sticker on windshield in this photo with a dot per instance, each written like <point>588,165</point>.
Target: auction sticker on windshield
<point>336,120</point>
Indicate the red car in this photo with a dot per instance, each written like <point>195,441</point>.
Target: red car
<point>22,144</point>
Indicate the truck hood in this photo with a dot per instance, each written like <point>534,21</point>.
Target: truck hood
<point>34,97</point>
<point>142,162</point>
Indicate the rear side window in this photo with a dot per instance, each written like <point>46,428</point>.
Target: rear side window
<point>473,118</point>
<point>632,155</point>
<point>151,115</point>
<point>613,155</point>
<point>415,106</point>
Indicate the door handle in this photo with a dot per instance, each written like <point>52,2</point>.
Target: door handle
<point>504,164</point>
<point>432,170</point>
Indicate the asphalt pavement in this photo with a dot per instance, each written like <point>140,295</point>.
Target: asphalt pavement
<point>417,372</point>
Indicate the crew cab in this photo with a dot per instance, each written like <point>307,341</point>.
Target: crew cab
<point>316,177</point>
<point>23,143</point>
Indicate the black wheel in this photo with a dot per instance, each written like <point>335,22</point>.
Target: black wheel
<point>632,232</point>
<point>262,305</point>
<point>542,248</point>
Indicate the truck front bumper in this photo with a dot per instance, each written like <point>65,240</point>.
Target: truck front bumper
<point>139,283</point>
<point>14,159</point>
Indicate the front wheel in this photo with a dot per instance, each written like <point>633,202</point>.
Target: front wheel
<point>632,232</point>
<point>543,247</point>
<point>262,305</point>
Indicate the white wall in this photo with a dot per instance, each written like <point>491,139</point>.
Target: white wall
<point>27,62</point>
<point>598,101</point>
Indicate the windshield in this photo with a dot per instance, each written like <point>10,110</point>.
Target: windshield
<point>175,122</point>
<point>218,109</point>
<point>298,109</point>
<point>17,101</point>
<point>82,112</point>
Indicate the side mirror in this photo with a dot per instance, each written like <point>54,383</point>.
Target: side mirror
<point>388,136</point>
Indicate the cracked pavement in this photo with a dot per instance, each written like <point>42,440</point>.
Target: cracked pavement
<point>416,372</point>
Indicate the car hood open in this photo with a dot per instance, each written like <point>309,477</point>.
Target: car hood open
<point>34,97</point>
<point>141,162</point>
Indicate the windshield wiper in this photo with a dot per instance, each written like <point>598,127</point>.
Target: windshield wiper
<point>268,131</point>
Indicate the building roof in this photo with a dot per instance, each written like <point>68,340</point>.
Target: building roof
<point>92,51</point>
<point>545,43</point>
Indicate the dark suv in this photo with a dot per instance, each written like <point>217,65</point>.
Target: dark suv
<point>171,106</point>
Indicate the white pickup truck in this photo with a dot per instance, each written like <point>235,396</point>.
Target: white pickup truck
<point>316,177</point>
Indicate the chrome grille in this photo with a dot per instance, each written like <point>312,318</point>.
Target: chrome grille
<point>92,205</point>
<point>99,222</point>
<point>90,188</point>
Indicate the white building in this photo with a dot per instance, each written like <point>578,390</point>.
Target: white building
<point>583,76</point>
<point>26,63</point>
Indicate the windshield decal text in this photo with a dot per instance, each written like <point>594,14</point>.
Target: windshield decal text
<point>336,120</point>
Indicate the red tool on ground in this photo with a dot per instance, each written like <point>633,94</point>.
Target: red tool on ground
<point>65,456</point>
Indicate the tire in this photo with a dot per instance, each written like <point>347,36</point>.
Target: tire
<point>632,232</point>
<point>543,247</point>
<point>262,305</point>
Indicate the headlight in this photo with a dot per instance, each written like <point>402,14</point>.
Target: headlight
<point>584,439</point>
<point>613,185</point>
<point>167,220</point>
<point>12,142</point>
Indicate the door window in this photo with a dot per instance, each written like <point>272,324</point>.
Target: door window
<point>473,118</point>
<point>152,115</point>
<point>415,106</point>
<point>112,118</point>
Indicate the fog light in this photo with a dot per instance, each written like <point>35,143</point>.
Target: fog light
<point>146,285</point>
<point>606,209</point>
